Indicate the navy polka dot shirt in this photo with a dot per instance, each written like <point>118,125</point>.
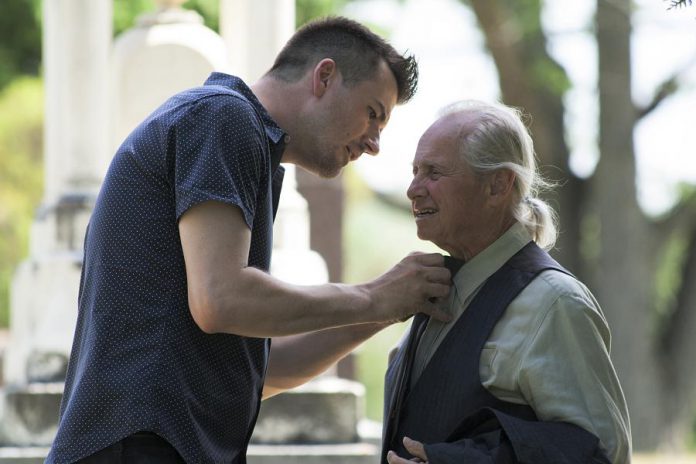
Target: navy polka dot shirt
<point>139,361</point>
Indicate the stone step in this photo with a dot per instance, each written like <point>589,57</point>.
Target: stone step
<point>30,414</point>
<point>22,455</point>
<point>325,410</point>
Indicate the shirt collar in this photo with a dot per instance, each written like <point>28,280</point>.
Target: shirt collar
<point>275,134</point>
<point>479,268</point>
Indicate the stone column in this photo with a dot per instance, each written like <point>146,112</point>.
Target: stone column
<point>293,261</point>
<point>76,46</point>
<point>44,292</point>
<point>255,31</point>
<point>77,41</point>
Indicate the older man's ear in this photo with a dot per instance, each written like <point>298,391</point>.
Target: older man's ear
<point>500,184</point>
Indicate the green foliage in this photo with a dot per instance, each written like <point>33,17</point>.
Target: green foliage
<point>669,274</point>
<point>528,31</point>
<point>20,40</point>
<point>126,11</point>
<point>549,74</point>
<point>668,277</point>
<point>544,71</point>
<point>209,9</point>
<point>310,9</point>
<point>21,175</point>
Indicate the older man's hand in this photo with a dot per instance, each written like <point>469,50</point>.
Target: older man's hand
<point>410,287</point>
<point>412,446</point>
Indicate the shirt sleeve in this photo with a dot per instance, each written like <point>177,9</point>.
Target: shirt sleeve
<point>565,373</point>
<point>219,155</point>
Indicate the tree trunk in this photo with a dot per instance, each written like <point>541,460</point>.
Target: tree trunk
<point>518,46</point>
<point>677,354</point>
<point>625,273</point>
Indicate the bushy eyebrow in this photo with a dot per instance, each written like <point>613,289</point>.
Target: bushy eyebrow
<point>428,165</point>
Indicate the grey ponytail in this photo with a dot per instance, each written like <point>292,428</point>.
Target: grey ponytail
<point>500,140</point>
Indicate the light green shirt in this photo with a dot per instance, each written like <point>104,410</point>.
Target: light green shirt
<point>550,349</point>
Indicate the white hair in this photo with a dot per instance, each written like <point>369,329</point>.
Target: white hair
<point>500,140</point>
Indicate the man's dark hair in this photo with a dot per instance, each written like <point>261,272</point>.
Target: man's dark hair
<point>356,50</point>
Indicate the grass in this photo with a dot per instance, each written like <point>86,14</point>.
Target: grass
<point>664,459</point>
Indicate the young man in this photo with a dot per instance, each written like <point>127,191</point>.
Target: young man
<point>176,307</point>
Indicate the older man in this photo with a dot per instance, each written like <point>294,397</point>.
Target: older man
<point>522,373</point>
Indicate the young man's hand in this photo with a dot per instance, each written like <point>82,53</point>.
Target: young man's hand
<point>411,287</point>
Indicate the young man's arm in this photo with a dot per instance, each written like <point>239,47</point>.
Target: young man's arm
<point>227,296</point>
<point>296,359</point>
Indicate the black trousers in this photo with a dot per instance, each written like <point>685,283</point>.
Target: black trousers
<point>139,448</point>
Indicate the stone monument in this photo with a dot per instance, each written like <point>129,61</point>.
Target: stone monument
<point>167,51</point>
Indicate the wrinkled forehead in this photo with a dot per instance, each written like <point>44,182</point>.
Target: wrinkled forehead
<point>449,131</point>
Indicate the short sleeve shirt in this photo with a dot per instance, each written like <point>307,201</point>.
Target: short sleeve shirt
<point>139,361</point>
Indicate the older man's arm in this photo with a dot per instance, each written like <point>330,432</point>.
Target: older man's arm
<point>566,374</point>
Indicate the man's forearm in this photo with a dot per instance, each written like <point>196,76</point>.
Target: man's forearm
<point>225,295</point>
<point>296,359</point>
<point>255,304</point>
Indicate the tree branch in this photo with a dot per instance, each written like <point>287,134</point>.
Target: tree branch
<point>668,87</point>
<point>678,3</point>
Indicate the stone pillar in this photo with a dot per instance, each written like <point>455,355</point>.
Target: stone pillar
<point>76,44</point>
<point>325,198</point>
<point>255,31</point>
<point>293,261</point>
<point>77,41</point>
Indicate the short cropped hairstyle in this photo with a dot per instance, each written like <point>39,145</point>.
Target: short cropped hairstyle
<point>356,50</point>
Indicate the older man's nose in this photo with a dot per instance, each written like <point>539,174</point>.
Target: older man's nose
<point>414,190</point>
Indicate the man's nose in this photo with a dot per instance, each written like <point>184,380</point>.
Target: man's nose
<point>371,141</point>
<point>415,190</point>
<point>372,145</point>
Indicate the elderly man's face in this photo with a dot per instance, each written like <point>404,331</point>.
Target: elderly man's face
<point>448,201</point>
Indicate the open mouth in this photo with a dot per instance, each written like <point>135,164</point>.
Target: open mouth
<point>425,212</point>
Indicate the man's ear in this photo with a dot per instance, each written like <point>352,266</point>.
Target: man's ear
<point>501,182</point>
<point>323,75</point>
